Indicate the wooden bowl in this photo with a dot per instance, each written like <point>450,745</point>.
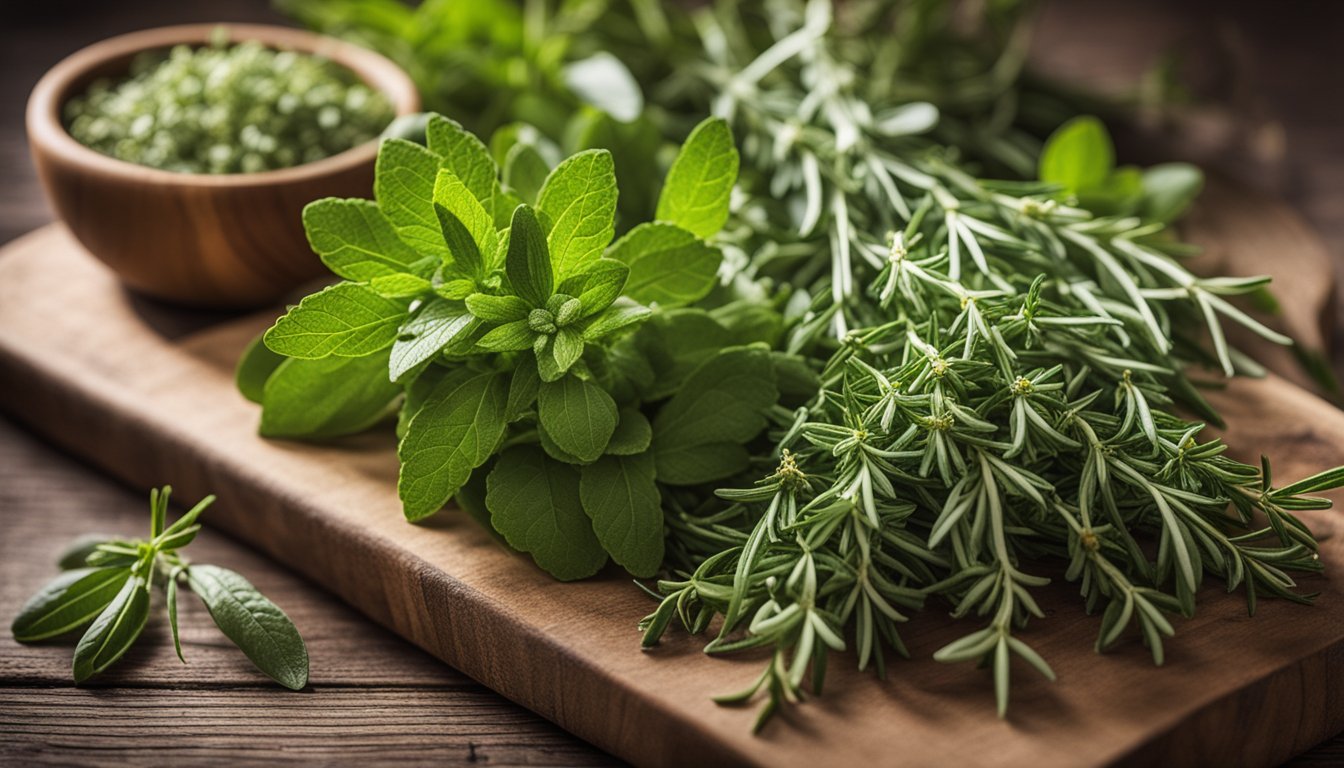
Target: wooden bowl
<point>220,241</point>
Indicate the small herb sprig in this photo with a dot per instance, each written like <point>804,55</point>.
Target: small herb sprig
<point>107,586</point>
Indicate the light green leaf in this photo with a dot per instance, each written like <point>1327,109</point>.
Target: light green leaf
<point>509,337</point>
<point>525,170</point>
<point>114,631</point>
<point>255,367</point>
<point>699,185</point>
<point>567,347</point>
<point>534,503</point>
<point>403,185</point>
<point>455,431</point>
<point>347,320</point>
<point>356,241</point>
<point>465,156</point>
<point>623,313</point>
<point>528,261</point>
<point>579,415</point>
<point>255,624</point>
<point>334,396</point>
<point>498,309</point>
<point>621,497</point>
<point>68,602</point>
<point>603,81</point>
<point>668,265</point>
<point>633,433</point>
<point>579,197</point>
<point>596,285</point>
<point>435,325</point>
<point>401,286</point>
<point>466,253</point>
<point>454,197</point>
<point>523,389</point>
<point>1168,189</point>
<point>1078,155</point>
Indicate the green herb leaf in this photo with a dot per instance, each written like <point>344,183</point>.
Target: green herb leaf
<point>578,415</point>
<point>334,396</point>
<point>596,285</point>
<point>523,389</point>
<point>566,348</point>
<point>356,241</point>
<point>68,602</point>
<point>528,262</point>
<point>534,503</point>
<point>403,185</point>
<point>1078,155</point>
<point>465,157</point>
<point>400,286</point>
<point>579,197</point>
<point>1168,190</point>
<point>171,599</point>
<point>346,320</point>
<point>623,313</point>
<point>453,200</point>
<point>621,497</point>
<point>701,463</point>
<point>699,185</point>
<point>510,337</point>
<point>498,309</point>
<point>525,171</point>
<point>604,82</point>
<point>434,325</point>
<point>114,631</point>
<point>633,433</point>
<point>255,368</point>
<point>669,266</point>
<point>457,429</point>
<point>255,624</point>
<point>76,553</point>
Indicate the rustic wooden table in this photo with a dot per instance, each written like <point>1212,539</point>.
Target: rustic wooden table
<point>375,697</point>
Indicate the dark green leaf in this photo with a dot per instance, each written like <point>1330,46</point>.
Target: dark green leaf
<point>534,503</point>
<point>255,624</point>
<point>578,415</point>
<point>668,265</point>
<point>621,497</point>
<point>633,433</point>
<point>114,631</point>
<point>68,602</point>
<point>528,262</point>
<point>255,367</point>
<point>319,399</point>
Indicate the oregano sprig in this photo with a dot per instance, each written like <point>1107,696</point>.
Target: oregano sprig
<point>107,590</point>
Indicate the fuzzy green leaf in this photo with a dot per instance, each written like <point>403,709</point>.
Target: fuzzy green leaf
<point>68,602</point>
<point>621,497</point>
<point>669,266</point>
<point>346,320</point>
<point>356,241</point>
<point>579,197</point>
<point>700,182</point>
<point>334,396</point>
<point>534,503</point>
<point>579,415</point>
<point>255,624</point>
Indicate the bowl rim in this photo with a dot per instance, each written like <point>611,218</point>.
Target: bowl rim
<point>59,84</point>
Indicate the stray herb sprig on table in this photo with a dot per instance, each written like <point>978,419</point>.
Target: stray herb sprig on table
<point>107,586</point>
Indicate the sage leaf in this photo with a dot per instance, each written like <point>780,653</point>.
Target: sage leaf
<point>356,241</point>
<point>403,185</point>
<point>596,285</point>
<point>1078,155</point>
<point>534,503</point>
<point>509,337</point>
<point>579,415</point>
<point>633,433</point>
<point>68,602</point>
<point>76,553</point>
<point>567,348</point>
<point>603,81</point>
<point>669,266</point>
<point>700,182</point>
<point>525,170</point>
<point>452,197</point>
<point>528,262</point>
<point>579,197</point>
<point>433,326</point>
<point>621,497</point>
<point>255,368</point>
<point>454,432</point>
<point>400,286</point>
<point>334,396</point>
<point>255,624</point>
<point>623,313</point>
<point>347,320</point>
<point>523,389</point>
<point>115,629</point>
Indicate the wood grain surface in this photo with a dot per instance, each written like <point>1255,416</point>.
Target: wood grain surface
<point>1284,64</point>
<point>570,651</point>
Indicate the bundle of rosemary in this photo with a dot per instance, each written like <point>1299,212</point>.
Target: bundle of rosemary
<point>994,366</point>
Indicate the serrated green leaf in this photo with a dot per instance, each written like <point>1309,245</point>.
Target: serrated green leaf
<point>456,199</point>
<point>433,326</point>
<point>528,262</point>
<point>523,389</point>
<point>567,348</point>
<point>403,185</point>
<point>356,241</point>
<point>668,265</point>
<point>596,285</point>
<point>454,432</point>
<point>498,309</point>
<point>534,503</point>
<point>255,366</point>
<point>400,286</point>
<point>255,624</point>
<point>578,415</point>
<point>465,157</point>
<point>633,433</point>
<point>579,196</point>
<point>68,602</point>
<point>114,631</point>
<point>623,313</point>
<point>334,396</point>
<point>525,171</point>
<point>1078,155</point>
<point>700,182</point>
<point>510,337</point>
<point>346,320</point>
<point>620,496</point>
<point>462,245</point>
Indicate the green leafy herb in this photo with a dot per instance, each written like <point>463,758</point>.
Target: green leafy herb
<point>108,591</point>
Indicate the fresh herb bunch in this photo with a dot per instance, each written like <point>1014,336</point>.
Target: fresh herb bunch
<point>554,382</point>
<point>107,585</point>
<point>227,108</point>
<point>999,361</point>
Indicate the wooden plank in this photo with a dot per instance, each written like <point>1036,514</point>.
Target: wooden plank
<point>371,692</point>
<point>82,364</point>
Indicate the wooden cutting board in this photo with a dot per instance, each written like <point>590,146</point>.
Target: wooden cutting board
<point>147,394</point>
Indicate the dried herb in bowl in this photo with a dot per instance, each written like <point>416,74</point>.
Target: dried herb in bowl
<point>227,108</point>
